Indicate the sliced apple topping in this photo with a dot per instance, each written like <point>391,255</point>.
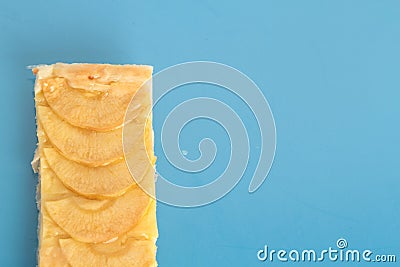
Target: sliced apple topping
<point>98,182</point>
<point>74,215</point>
<point>146,228</point>
<point>100,109</point>
<point>50,186</point>
<point>51,254</point>
<point>87,146</point>
<point>134,253</point>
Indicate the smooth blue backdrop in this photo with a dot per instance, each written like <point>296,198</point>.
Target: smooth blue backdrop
<point>330,70</point>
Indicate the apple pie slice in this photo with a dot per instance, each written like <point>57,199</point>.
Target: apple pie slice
<point>93,209</point>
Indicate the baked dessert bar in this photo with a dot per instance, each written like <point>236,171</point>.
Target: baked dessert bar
<point>94,210</point>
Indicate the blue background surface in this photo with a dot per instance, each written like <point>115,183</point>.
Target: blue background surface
<point>329,69</point>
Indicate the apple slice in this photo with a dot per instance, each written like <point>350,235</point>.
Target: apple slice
<point>51,188</point>
<point>100,109</point>
<point>147,227</point>
<point>87,146</point>
<point>134,253</point>
<point>98,182</point>
<point>99,221</point>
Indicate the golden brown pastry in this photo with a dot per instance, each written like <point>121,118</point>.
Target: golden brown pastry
<point>93,210</point>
